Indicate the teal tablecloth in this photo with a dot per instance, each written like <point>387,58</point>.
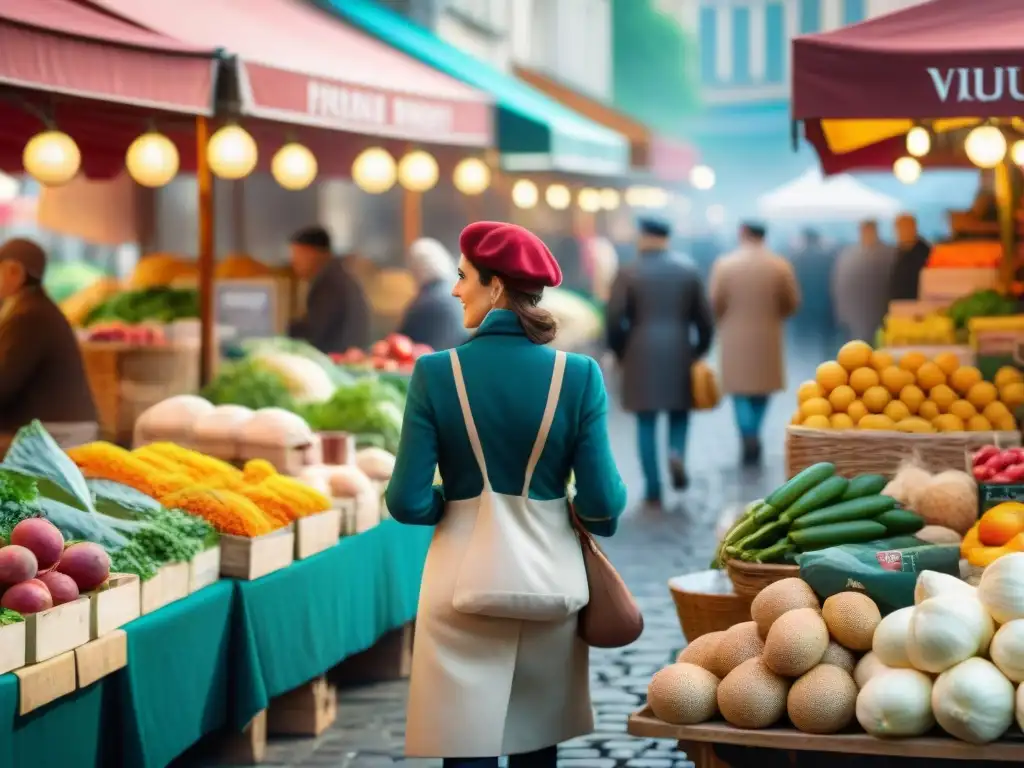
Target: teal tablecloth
<point>217,657</point>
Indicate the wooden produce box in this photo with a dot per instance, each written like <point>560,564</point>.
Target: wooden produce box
<point>286,460</point>
<point>315,533</point>
<point>347,513</point>
<point>309,710</point>
<point>12,647</point>
<point>39,684</point>
<point>170,583</point>
<point>204,569</point>
<point>58,630</point>
<point>250,558</point>
<point>950,284</point>
<point>338,449</point>
<point>114,605</point>
<point>857,452</point>
<point>99,658</point>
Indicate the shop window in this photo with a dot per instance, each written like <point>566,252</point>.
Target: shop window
<point>741,45</point>
<point>810,16</point>
<point>708,29</point>
<point>853,11</point>
<point>775,42</point>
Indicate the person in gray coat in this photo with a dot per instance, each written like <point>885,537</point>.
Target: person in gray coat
<point>434,317</point>
<point>860,284</point>
<point>659,323</point>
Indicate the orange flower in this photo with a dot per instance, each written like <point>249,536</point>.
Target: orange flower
<point>227,511</point>
<point>111,462</point>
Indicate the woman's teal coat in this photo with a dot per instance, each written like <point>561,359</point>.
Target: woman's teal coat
<point>507,377</point>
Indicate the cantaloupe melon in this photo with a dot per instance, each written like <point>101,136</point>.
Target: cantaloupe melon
<point>683,694</point>
<point>752,696</point>
<point>737,644</point>
<point>823,701</point>
<point>851,618</point>
<point>840,657</point>
<point>779,597</point>
<point>796,642</point>
<point>701,651</point>
<point>868,667</point>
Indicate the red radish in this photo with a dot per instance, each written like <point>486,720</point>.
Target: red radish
<point>1015,472</point>
<point>999,461</point>
<point>1000,478</point>
<point>28,597</point>
<point>87,563</point>
<point>401,347</point>
<point>42,538</point>
<point>17,564</point>
<point>982,473</point>
<point>984,453</point>
<point>380,349</point>
<point>62,587</point>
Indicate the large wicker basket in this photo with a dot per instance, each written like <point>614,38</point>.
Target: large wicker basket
<point>706,602</point>
<point>126,379</point>
<point>856,452</point>
<point>750,578</point>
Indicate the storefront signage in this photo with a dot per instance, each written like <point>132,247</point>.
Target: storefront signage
<point>347,105</point>
<point>247,309</point>
<point>981,84</point>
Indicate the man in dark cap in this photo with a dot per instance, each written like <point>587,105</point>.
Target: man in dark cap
<point>337,314</point>
<point>41,371</point>
<point>656,303</point>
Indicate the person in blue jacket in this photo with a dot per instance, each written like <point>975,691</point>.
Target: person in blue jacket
<point>506,420</point>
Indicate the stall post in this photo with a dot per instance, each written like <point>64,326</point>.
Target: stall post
<point>207,314</point>
<point>412,213</point>
<point>1007,199</point>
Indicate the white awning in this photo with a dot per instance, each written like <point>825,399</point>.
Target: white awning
<point>811,197</point>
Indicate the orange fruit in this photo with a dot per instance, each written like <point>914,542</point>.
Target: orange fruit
<point>809,389</point>
<point>856,411</point>
<point>817,421</point>
<point>964,377</point>
<point>863,379</point>
<point>816,406</point>
<point>831,375</point>
<point>854,355</point>
<point>1007,375</point>
<point>963,409</point>
<point>894,379</point>
<point>929,375</point>
<point>796,419</point>
<point>912,397</point>
<point>840,421</point>
<point>978,424</point>
<point>983,393</point>
<point>998,526</point>
<point>897,411</point>
<point>876,398</point>
<point>1012,394</point>
<point>876,421</point>
<point>841,397</point>
<point>942,396</point>
<point>929,410</point>
<point>995,411</point>
<point>912,361</point>
<point>948,362</point>
<point>947,422</point>
<point>881,360</point>
<point>914,424</point>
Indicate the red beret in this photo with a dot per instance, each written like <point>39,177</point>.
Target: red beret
<point>512,252</point>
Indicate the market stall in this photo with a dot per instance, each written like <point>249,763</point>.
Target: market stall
<point>812,197</point>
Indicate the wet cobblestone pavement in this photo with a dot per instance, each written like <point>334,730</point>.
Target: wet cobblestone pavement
<point>649,548</point>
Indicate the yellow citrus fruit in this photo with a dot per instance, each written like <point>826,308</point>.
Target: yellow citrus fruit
<point>881,360</point>
<point>876,398</point>
<point>928,410</point>
<point>896,411</point>
<point>947,422</point>
<point>995,411</point>
<point>912,397</point>
<point>929,375</point>
<point>796,419</point>
<point>982,393</point>
<point>854,355</point>
<point>816,406</point>
<point>817,421</point>
<point>808,390</point>
<point>1007,375</point>
<point>1005,423</point>
<point>840,421</point>
<point>914,424</point>
<point>863,379</point>
<point>876,421</point>
<point>942,396</point>
<point>963,409</point>
<point>1012,394</point>
<point>841,397</point>
<point>831,375</point>
<point>948,362</point>
<point>894,379</point>
<point>964,377</point>
<point>912,361</point>
<point>978,424</point>
<point>856,410</point>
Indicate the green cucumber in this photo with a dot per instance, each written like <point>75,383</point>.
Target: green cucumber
<point>900,522</point>
<point>799,484</point>
<point>819,496</point>
<point>762,537</point>
<point>855,509</point>
<point>850,532</point>
<point>774,554</point>
<point>864,485</point>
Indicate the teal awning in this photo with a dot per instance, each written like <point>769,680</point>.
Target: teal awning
<point>535,132</point>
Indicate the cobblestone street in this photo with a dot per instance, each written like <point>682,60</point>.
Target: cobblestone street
<point>648,549</point>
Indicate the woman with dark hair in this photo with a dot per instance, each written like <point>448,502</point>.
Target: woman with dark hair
<point>498,668</point>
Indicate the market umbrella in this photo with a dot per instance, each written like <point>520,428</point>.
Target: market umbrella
<point>811,197</point>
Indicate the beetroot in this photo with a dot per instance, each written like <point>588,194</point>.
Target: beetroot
<point>85,562</point>
<point>62,587</point>
<point>30,596</point>
<point>42,537</point>
<point>17,564</point>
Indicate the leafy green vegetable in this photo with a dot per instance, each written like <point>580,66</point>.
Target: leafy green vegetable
<point>33,452</point>
<point>77,525</point>
<point>8,616</point>
<point>986,303</point>
<point>19,500</point>
<point>255,347</point>
<point>132,558</point>
<point>249,383</point>
<point>368,407</point>
<point>161,304</point>
<point>64,279</point>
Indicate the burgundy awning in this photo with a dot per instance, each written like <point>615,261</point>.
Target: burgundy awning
<point>943,58</point>
<point>65,47</point>
<point>300,65</point>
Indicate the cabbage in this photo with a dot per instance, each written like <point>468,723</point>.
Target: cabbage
<point>306,381</point>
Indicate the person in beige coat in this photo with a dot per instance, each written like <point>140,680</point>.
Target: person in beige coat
<point>753,291</point>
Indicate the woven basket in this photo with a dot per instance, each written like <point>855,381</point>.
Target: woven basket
<point>126,379</point>
<point>750,578</point>
<point>705,602</point>
<point>858,452</point>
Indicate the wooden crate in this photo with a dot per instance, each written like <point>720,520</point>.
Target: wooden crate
<point>99,658</point>
<point>390,658</point>
<point>347,509</point>
<point>39,684</point>
<point>315,533</point>
<point>204,569</point>
<point>309,710</point>
<point>170,583</point>
<point>288,460</point>
<point>56,631</point>
<point>249,746</point>
<point>12,647</point>
<point>250,558</point>
<point>113,606</point>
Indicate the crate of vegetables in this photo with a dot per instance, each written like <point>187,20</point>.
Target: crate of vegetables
<point>999,473</point>
<point>12,641</point>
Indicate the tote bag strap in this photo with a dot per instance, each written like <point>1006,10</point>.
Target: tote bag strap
<point>557,375</point>
<point>467,416</point>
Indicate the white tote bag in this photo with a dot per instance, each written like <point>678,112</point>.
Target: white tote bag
<point>523,559</point>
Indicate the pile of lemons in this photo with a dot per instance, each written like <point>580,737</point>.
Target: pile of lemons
<point>867,389</point>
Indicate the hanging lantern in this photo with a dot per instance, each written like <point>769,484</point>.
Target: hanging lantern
<point>293,166</point>
<point>472,176</point>
<point>919,141</point>
<point>1017,152</point>
<point>558,197</point>
<point>589,200</point>
<point>985,146</point>
<point>635,197</point>
<point>907,170</point>
<point>374,171</point>
<point>656,198</point>
<point>524,194</point>
<point>152,160</point>
<point>232,153</point>
<point>417,171</point>
<point>702,177</point>
<point>52,158</point>
<point>610,199</point>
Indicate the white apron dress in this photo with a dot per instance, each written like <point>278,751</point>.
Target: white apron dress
<point>484,686</point>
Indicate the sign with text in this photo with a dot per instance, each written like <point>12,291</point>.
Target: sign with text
<point>247,309</point>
